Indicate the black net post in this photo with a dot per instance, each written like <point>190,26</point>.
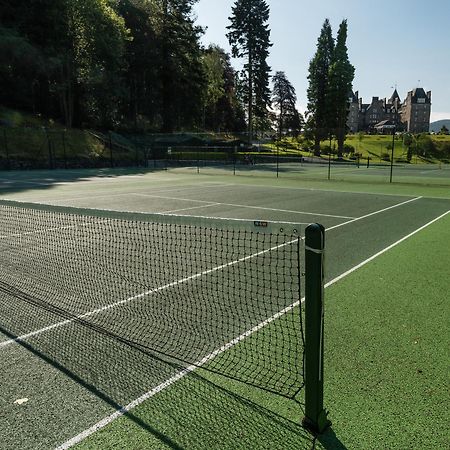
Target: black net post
<point>368,161</point>
<point>315,415</point>
<point>234,160</point>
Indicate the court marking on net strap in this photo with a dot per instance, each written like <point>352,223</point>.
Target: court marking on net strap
<point>122,411</point>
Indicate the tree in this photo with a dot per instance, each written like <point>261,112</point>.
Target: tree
<point>78,45</point>
<point>408,141</point>
<point>284,99</point>
<point>318,90</point>
<point>181,71</point>
<point>444,130</point>
<point>340,79</point>
<point>142,98</point>
<point>249,37</point>
<point>222,109</point>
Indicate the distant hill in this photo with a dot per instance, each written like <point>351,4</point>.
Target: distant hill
<point>436,126</point>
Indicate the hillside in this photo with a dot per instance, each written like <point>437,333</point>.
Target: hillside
<point>436,126</point>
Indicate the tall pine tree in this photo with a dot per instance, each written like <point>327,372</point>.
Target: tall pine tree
<point>249,37</point>
<point>182,78</point>
<point>319,111</point>
<point>341,76</point>
<point>283,99</point>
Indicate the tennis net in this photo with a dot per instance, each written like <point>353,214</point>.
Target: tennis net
<point>124,299</point>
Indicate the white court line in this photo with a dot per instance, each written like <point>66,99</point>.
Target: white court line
<point>296,188</point>
<point>143,294</point>
<point>203,186</point>
<point>175,283</point>
<point>404,238</point>
<point>373,213</point>
<point>188,209</point>
<point>122,411</point>
<point>430,170</point>
<point>46,230</point>
<point>242,206</point>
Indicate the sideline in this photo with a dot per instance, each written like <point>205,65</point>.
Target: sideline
<point>107,420</point>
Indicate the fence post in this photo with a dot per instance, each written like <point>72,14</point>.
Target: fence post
<point>64,148</point>
<point>278,160</point>
<point>49,144</point>
<point>111,161</point>
<point>8,162</point>
<point>234,160</point>
<point>315,418</point>
<point>329,164</point>
<point>392,155</point>
<point>368,162</point>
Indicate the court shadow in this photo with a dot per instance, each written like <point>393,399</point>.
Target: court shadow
<point>16,181</point>
<point>193,413</point>
<point>330,441</point>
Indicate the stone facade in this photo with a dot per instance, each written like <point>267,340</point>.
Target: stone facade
<point>416,111</point>
<point>413,115</point>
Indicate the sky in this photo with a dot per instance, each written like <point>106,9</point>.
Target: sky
<point>402,43</point>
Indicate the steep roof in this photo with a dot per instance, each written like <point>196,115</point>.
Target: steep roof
<point>385,123</point>
<point>394,97</point>
<point>354,97</point>
<point>419,93</point>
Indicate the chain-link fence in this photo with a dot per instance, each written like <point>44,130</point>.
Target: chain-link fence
<point>370,158</point>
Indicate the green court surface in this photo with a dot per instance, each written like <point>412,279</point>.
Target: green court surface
<point>374,173</point>
<point>387,265</point>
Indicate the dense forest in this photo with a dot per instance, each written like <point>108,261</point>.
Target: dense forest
<point>139,65</point>
<point>123,64</point>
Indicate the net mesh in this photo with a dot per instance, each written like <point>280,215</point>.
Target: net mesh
<point>122,303</point>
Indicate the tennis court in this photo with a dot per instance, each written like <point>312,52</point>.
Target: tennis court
<point>76,376</point>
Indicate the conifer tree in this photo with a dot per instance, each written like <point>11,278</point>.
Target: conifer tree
<point>318,105</point>
<point>249,37</point>
<point>182,76</point>
<point>284,98</point>
<point>341,76</point>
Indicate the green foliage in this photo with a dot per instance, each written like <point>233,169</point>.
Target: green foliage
<point>249,37</point>
<point>408,141</point>
<point>330,82</point>
<point>222,109</point>
<point>347,148</point>
<point>340,79</point>
<point>284,99</point>
<point>426,146</point>
<point>444,130</point>
<point>318,88</point>
<point>104,63</point>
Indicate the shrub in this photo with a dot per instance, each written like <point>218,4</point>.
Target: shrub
<point>349,148</point>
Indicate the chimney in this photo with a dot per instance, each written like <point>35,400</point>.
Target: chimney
<point>429,95</point>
